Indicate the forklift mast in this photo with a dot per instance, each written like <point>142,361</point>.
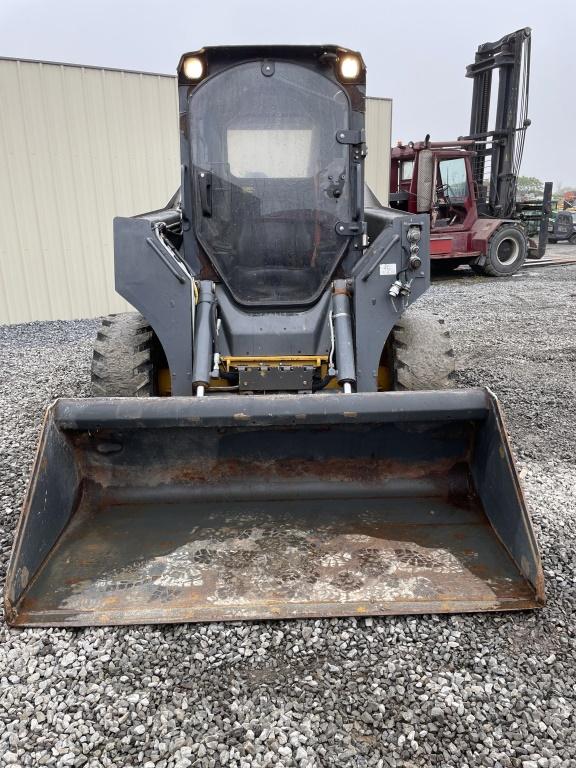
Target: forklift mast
<point>499,149</point>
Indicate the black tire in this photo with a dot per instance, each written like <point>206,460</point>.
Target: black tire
<point>507,252</point>
<point>572,239</point>
<point>422,352</point>
<point>125,357</point>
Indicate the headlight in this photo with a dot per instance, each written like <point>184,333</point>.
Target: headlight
<point>193,68</point>
<point>349,67</point>
<point>414,234</point>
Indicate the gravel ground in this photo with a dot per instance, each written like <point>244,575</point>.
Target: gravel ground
<point>486,690</point>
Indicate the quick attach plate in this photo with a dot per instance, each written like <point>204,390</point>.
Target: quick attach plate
<point>276,379</point>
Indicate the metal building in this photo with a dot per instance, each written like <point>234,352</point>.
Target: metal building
<point>379,140</point>
<point>78,146</point>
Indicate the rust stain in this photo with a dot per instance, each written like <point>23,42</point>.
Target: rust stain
<point>366,470</point>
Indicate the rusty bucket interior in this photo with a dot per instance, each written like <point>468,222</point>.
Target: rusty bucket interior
<point>201,509</point>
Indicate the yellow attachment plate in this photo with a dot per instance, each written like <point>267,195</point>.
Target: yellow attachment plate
<point>273,361</point>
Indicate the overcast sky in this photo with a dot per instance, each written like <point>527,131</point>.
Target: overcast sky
<point>416,51</point>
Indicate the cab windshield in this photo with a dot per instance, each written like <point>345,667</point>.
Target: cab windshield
<point>270,179</point>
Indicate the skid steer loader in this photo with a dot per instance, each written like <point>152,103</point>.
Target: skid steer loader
<point>295,470</point>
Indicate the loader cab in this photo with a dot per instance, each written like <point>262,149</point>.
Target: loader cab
<point>271,142</point>
<point>263,258</point>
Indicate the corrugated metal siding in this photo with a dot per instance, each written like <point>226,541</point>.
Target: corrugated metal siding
<point>379,139</point>
<point>78,146</point>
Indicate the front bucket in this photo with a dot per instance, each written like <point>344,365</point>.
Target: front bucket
<point>216,508</point>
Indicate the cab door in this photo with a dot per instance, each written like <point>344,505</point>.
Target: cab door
<point>454,205</point>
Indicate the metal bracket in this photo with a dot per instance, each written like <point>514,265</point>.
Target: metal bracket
<point>350,228</point>
<point>336,185</point>
<point>351,137</point>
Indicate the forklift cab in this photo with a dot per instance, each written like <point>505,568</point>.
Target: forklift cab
<point>431,178</point>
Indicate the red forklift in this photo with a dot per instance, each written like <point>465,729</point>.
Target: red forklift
<point>468,186</point>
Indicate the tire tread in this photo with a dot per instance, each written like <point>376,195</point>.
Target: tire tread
<point>122,363</point>
<point>422,352</point>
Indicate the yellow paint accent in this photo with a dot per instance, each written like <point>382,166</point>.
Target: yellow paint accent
<point>164,382</point>
<point>384,379</point>
<point>385,370</point>
<point>216,383</point>
<point>274,361</point>
<point>321,361</point>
